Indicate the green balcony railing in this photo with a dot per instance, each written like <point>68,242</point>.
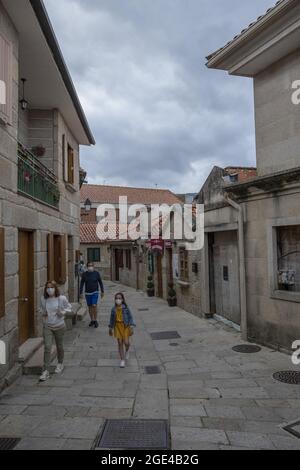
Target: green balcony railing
<point>35,180</point>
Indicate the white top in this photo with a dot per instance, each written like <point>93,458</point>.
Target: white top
<point>55,308</point>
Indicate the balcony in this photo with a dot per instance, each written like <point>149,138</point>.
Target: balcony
<point>35,180</point>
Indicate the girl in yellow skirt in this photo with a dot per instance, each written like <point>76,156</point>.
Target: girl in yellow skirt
<point>121,326</point>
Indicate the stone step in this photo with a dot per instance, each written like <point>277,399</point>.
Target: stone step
<point>29,348</point>
<point>81,313</point>
<point>34,366</point>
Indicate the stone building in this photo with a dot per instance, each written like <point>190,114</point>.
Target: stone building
<point>122,259</point>
<point>208,280</point>
<point>267,206</point>
<point>42,126</point>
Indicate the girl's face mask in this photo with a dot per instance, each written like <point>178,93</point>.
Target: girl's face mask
<point>90,269</point>
<point>119,301</point>
<point>51,291</point>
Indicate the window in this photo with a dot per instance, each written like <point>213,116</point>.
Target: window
<point>128,259</point>
<point>2,273</point>
<point>64,162</point>
<point>57,260</point>
<point>70,165</point>
<point>225,273</point>
<point>184,265</point>
<point>93,255</point>
<point>288,258</point>
<point>6,78</point>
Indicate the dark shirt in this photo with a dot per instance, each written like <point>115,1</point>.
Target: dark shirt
<point>91,282</point>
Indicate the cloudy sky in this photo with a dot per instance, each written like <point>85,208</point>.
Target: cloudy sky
<point>159,116</point>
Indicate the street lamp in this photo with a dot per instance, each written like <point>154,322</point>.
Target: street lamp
<point>23,102</point>
<point>87,205</point>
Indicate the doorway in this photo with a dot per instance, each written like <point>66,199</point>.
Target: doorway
<point>159,275</point>
<point>26,286</point>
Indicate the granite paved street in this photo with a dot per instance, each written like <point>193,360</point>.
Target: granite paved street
<point>213,397</point>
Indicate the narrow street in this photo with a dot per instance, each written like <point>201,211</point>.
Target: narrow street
<point>213,397</point>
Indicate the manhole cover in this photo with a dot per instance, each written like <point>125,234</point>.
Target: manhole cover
<point>293,429</point>
<point>152,370</point>
<point>165,335</point>
<point>291,377</point>
<point>133,434</point>
<point>8,443</point>
<point>246,348</point>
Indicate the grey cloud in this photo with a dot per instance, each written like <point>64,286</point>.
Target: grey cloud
<point>158,115</point>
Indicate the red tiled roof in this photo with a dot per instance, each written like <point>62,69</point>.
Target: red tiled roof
<point>248,28</point>
<point>110,195</point>
<point>244,173</point>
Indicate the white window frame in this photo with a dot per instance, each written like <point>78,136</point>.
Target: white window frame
<point>275,293</point>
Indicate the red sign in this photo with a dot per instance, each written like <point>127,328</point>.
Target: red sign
<point>157,245</point>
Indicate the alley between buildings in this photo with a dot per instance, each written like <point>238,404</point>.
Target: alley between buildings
<point>213,397</point>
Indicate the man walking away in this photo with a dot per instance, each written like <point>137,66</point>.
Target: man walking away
<point>91,281</point>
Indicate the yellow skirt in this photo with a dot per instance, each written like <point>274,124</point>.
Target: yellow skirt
<point>121,331</point>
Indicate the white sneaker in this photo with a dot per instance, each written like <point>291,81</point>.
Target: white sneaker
<point>45,376</point>
<point>122,364</point>
<point>59,368</point>
<point>127,355</point>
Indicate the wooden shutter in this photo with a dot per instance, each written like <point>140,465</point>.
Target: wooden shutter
<point>50,257</point>
<point>70,165</point>
<point>62,260</point>
<point>6,78</point>
<point>64,159</point>
<point>2,273</point>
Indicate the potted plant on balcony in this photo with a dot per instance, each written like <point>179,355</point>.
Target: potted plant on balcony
<point>172,297</point>
<point>150,287</point>
<point>38,151</point>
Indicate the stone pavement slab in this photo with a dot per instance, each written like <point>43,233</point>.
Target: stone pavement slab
<point>213,397</point>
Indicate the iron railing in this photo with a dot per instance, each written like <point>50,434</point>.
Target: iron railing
<point>35,180</point>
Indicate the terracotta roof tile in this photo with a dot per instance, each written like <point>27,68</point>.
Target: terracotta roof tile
<point>110,195</point>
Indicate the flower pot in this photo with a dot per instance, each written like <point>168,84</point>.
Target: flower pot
<point>172,302</point>
<point>150,292</point>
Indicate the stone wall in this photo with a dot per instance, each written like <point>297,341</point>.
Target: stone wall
<point>273,317</point>
<point>276,117</point>
<point>18,212</point>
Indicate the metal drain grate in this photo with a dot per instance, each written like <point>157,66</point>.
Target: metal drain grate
<point>246,348</point>
<point>161,335</point>
<point>133,434</point>
<point>8,443</point>
<point>143,310</point>
<point>152,370</point>
<point>290,377</point>
<point>293,429</point>
<point>174,345</point>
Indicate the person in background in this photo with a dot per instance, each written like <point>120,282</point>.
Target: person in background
<point>54,307</point>
<point>91,282</point>
<point>121,326</point>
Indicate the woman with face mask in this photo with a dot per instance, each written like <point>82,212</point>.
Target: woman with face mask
<point>54,307</point>
<point>121,326</point>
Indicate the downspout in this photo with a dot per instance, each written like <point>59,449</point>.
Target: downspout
<point>241,243</point>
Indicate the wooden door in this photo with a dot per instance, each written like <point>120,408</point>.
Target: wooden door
<point>159,276</point>
<point>26,286</point>
<point>117,266</point>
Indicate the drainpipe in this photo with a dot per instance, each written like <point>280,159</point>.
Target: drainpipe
<point>241,242</point>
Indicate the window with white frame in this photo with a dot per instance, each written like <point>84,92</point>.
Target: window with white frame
<point>6,77</point>
<point>288,258</point>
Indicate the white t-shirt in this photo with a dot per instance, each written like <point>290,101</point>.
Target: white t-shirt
<point>56,309</point>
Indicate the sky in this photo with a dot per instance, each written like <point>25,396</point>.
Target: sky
<point>159,116</point>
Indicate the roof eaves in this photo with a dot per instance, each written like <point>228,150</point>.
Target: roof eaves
<point>48,31</point>
<point>250,30</point>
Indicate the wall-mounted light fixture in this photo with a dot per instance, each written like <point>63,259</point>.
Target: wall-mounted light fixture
<point>87,205</point>
<point>23,102</point>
